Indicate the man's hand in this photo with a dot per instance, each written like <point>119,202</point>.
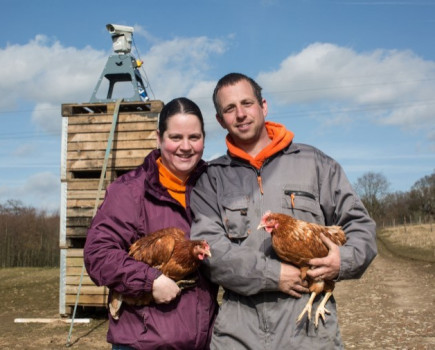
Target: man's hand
<point>326,268</point>
<point>165,290</point>
<point>290,281</point>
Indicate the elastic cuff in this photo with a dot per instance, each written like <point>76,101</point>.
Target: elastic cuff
<point>151,276</point>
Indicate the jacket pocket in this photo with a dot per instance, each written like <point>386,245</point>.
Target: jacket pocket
<point>235,216</point>
<point>302,204</point>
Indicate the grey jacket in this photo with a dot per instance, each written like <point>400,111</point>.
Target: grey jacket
<point>228,205</point>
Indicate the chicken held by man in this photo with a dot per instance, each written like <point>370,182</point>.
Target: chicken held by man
<point>297,242</point>
<point>172,253</point>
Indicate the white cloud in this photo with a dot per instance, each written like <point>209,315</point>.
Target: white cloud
<point>48,116</point>
<point>202,93</point>
<point>141,31</point>
<point>41,190</point>
<point>391,87</point>
<point>45,71</point>
<point>176,66</point>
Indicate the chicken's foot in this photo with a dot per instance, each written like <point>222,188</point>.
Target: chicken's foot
<point>183,284</point>
<point>321,309</point>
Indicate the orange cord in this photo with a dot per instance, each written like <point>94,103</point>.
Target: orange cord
<point>260,184</point>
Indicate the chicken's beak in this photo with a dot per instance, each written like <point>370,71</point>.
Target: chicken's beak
<point>260,226</point>
<point>207,252</point>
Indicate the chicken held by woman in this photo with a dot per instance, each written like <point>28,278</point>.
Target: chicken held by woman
<point>172,253</point>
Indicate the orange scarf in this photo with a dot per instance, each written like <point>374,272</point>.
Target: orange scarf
<point>280,136</point>
<point>175,186</point>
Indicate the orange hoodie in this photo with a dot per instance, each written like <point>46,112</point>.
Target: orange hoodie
<point>175,186</point>
<point>281,138</point>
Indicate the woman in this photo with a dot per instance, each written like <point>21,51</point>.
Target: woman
<point>154,196</point>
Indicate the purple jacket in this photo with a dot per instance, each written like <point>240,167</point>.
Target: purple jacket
<point>137,204</point>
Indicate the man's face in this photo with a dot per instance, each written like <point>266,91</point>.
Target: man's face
<point>242,114</point>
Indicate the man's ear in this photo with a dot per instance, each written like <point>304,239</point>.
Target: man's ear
<point>220,120</point>
<point>264,107</point>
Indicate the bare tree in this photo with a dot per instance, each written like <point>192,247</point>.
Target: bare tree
<point>372,188</point>
<point>422,196</point>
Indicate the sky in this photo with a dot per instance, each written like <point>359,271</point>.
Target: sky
<point>355,79</point>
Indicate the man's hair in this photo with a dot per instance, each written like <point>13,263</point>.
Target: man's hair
<point>231,79</point>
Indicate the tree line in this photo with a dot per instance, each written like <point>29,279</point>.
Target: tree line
<point>29,237</point>
<point>397,208</point>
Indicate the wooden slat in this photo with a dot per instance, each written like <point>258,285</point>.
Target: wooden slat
<point>82,203</point>
<point>85,289</point>
<point>74,261</point>
<point>118,145</point>
<point>78,221</point>
<point>75,280</point>
<point>119,136</point>
<point>72,253</point>
<point>76,232</point>
<point>88,300</point>
<point>83,184</point>
<point>99,154</point>
<point>79,212</point>
<point>85,194</point>
<point>89,164</point>
<point>99,128</point>
<point>107,118</point>
<point>73,270</point>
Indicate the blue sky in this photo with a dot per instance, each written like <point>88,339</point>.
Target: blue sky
<point>353,78</point>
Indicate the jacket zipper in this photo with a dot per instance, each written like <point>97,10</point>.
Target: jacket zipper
<point>299,193</point>
<point>293,195</point>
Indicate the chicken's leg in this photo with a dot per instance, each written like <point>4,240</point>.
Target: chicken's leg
<point>321,309</point>
<point>307,308</point>
<point>183,284</point>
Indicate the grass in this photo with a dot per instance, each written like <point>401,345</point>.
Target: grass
<point>410,241</point>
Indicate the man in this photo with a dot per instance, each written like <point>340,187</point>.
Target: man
<point>264,170</point>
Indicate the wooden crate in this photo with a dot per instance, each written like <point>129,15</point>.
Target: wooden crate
<point>85,134</point>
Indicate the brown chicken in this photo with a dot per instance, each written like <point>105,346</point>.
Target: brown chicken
<point>296,242</point>
<point>169,251</point>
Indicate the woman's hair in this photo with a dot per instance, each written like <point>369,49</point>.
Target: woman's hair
<point>179,105</point>
<point>232,79</point>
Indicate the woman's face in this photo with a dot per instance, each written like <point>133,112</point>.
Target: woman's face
<point>182,144</point>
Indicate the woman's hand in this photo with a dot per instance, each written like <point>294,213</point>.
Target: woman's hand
<point>165,290</point>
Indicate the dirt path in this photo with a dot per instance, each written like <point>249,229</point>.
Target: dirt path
<point>390,307</point>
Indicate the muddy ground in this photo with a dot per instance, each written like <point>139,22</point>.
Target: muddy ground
<point>391,307</point>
